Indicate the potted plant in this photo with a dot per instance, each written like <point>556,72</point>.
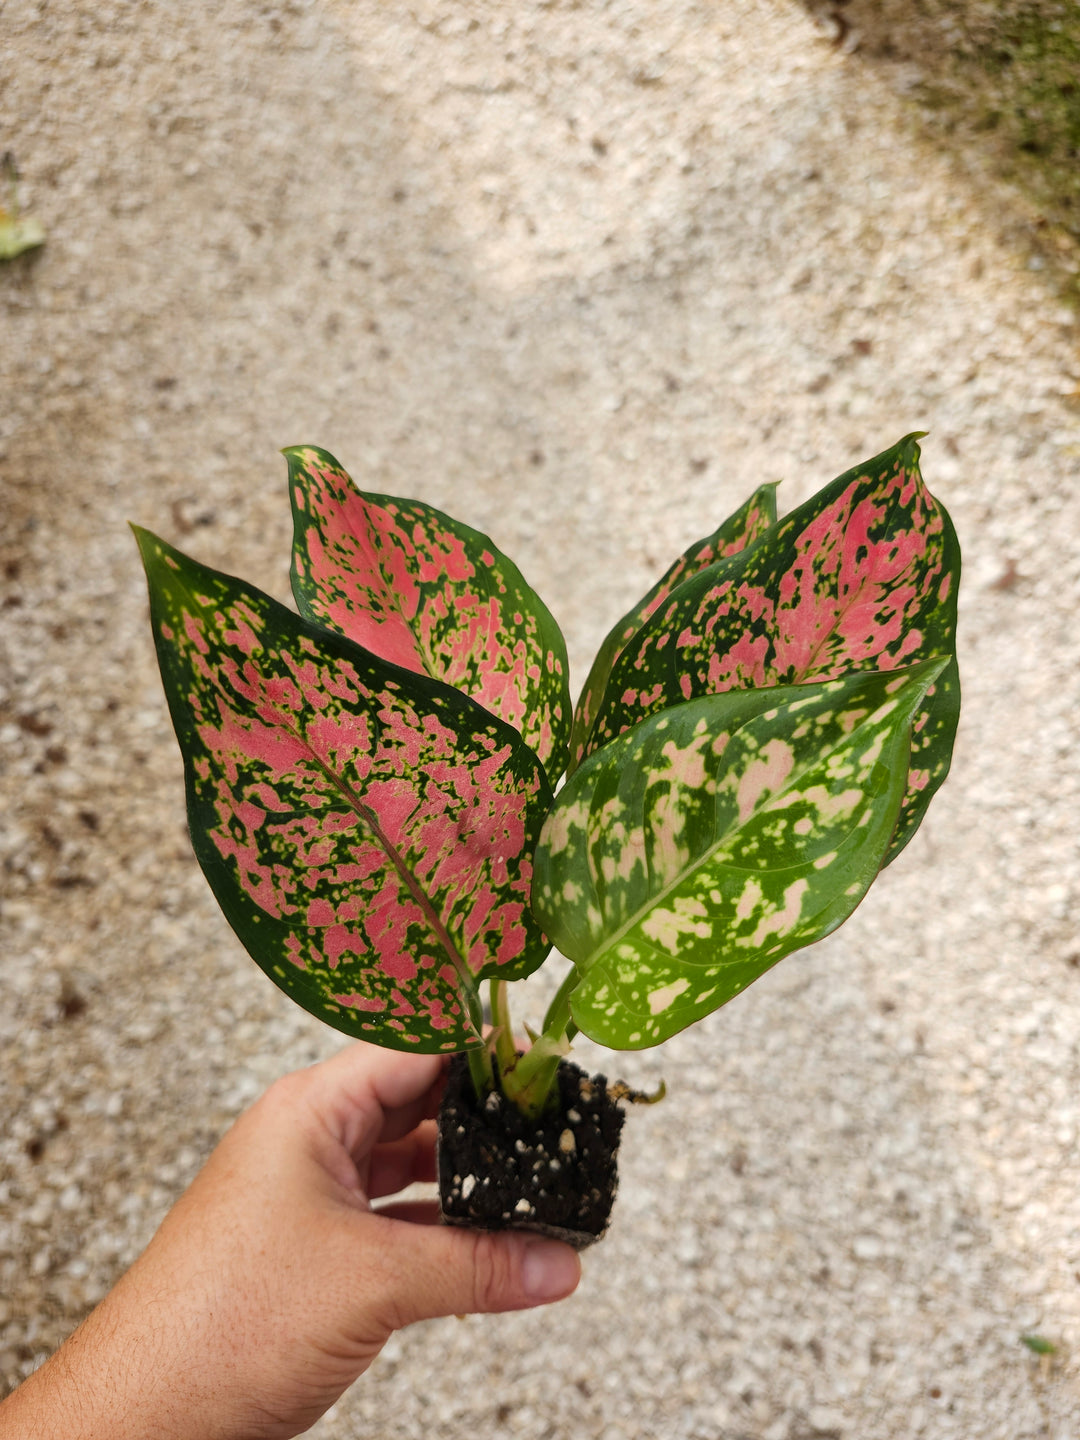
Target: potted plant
<point>371,786</point>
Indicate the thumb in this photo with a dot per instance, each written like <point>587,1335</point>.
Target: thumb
<point>437,1270</point>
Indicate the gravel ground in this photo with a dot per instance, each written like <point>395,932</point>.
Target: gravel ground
<point>582,275</point>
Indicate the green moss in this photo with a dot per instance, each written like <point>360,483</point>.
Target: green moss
<point>1002,78</point>
<point>1032,63</point>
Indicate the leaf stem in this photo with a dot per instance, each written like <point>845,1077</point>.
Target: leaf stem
<point>480,1069</point>
<point>529,1081</point>
<point>506,1055</point>
<point>558,1018</point>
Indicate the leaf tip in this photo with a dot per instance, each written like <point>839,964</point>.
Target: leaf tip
<point>145,539</point>
<point>298,456</point>
<point>909,444</point>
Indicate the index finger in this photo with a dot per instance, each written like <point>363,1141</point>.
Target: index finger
<point>368,1095</point>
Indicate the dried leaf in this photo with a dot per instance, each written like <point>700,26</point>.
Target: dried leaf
<point>19,235</point>
<point>18,232</point>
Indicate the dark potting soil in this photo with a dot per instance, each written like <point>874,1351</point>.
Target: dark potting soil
<point>556,1175</point>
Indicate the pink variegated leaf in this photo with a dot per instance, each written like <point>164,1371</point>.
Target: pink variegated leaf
<point>864,575</point>
<point>430,594</point>
<point>737,533</point>
<point>367,831</point>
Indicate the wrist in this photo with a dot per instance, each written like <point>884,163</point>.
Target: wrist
<point>134,1370</point>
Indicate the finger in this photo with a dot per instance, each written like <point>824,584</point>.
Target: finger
<point>403,1162</point>
<point>368,1095</point>
<point>429,1270</point>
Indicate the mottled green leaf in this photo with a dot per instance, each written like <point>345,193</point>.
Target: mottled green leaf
<point>685,858</point>
<point>432,595</point>
<point>367,831</point>
<point>863,575</point>
<point>737,532</point>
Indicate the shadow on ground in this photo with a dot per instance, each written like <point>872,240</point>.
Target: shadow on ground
<point>997,84</point>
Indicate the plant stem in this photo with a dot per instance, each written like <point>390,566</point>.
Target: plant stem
<point>558,1018</point>
<point>505,1049</point>
<point>480,1069</point>
<point>526,1080</point>
<point>531,1083</point>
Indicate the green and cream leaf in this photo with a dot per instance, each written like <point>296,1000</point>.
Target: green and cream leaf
<point>688,856</point>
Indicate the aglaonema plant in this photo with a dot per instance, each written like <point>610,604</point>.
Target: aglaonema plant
<point>371,783</point>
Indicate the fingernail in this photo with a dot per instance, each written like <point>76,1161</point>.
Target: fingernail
<point>549,1270</point>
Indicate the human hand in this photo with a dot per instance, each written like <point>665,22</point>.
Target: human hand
<point>272,1284</point>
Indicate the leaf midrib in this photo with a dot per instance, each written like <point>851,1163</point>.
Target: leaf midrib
<point>775,533</point>
<point>844,609</point>
<point>368,818</point>
<point>375,553</point>
<point>697,864</point>
<point>424,654</point>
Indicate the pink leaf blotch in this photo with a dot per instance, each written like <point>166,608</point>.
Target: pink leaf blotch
<point>861,576</point>
<point>368,832</point>
<point>739,531</point>
<point>429,594</point>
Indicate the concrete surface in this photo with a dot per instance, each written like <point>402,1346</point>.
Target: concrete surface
<point>582,275</point>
